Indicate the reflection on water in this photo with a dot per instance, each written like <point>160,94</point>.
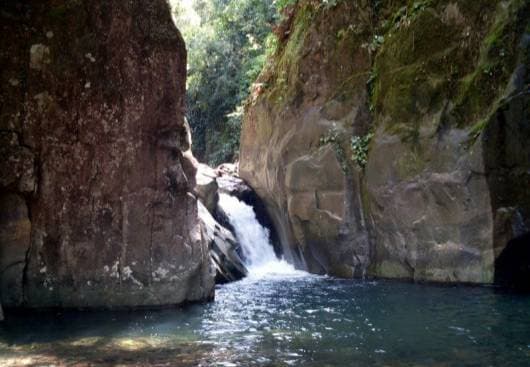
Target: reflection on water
<point>294,320</point>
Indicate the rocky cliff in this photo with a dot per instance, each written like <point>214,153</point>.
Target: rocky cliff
<point>95,203</point>
<point>389,139</point>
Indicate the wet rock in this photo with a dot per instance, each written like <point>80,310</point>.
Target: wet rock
<point>230,183</point>
<point>16,172</point>
<point>231,169</point>
<point>222,218</point>
<point>223,249</point>
<point>234,186</point>
<point>97,184</point>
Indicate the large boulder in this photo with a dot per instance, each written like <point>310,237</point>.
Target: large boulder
<point>96,185</point>
<point>224,249</point>
<point>387,140</point>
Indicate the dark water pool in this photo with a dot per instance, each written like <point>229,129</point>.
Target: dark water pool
<point>289,321</point>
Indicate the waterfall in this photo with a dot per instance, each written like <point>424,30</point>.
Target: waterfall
<point>258,253</point>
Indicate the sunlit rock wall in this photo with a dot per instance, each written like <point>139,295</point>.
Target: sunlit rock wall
<point>387,138</point>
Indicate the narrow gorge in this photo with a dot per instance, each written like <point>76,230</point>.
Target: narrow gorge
<point>375,210</point>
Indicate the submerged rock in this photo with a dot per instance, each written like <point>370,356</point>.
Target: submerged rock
<point>97,207</point>
<point>395,148</point>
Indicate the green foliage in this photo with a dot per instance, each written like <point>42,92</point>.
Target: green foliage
<point>271,45</point>
<point>228,138</point>
<point>281,4</point>
<point>227,42</point>
<point>406,14</point>
<point>377,41</point>
<point>335,138</point>
<point>331,137</point>
<point>359,147</point>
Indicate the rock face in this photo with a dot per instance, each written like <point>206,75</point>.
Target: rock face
<point>388,140</point>
<point>96,207</point>
<point>224,249</point>
<point>310,92</point>
<point>207,187</point>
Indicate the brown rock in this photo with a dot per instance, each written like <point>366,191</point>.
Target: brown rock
<point>15,240</point>
<point>100,158</point>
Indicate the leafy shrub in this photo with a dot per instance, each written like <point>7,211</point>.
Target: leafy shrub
<point>227,42</point>
<point>359,147</point>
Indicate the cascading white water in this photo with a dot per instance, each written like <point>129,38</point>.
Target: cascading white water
<point>258,252</point>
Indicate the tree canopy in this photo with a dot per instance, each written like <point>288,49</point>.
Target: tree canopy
<point>227,42</point>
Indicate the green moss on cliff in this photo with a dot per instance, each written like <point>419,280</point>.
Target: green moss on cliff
<point>321,40</point>
<point>61,10</point>
<point>284,81</point>
<point>428,57</point>
<point>459,54</point>
<point>479,92</point>
<point>414,67</point>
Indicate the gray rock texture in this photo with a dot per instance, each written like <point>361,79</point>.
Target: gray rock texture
<point>388,140</point>
<point>224,249</point>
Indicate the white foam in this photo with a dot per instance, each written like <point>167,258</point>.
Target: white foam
<point>258,253</point>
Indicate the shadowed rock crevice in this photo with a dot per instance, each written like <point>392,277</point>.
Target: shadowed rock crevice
<point>512,267</point>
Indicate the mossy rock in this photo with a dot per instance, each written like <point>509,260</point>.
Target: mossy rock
<point>460,54</point>
<point>284,82</point>
<point>480,91</point>
<point>322,40</point>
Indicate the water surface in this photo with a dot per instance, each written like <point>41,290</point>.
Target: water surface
<point>290,320</point>
<point>282,317</point>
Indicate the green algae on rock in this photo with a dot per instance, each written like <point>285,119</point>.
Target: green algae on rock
<point>442,87</point>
